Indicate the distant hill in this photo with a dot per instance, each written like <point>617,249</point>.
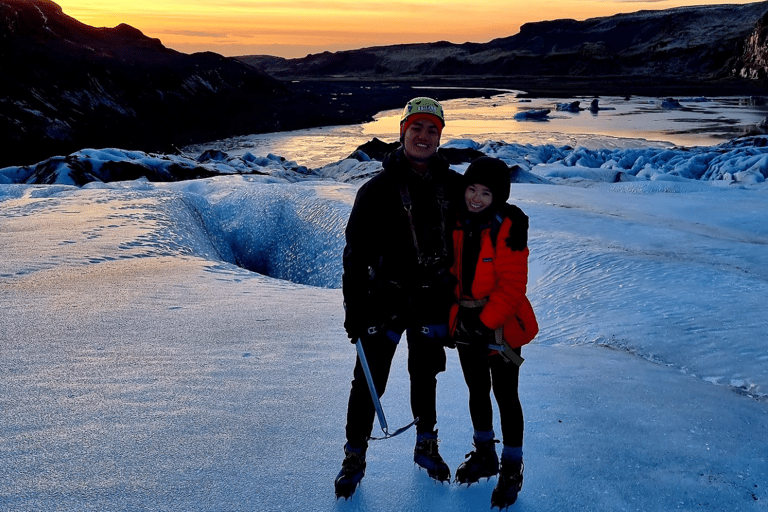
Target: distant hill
<point>65,86</point>
<point>687,44</point>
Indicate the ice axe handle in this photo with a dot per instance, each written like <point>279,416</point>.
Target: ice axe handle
<point>371,386</point>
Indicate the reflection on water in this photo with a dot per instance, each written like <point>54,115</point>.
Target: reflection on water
<point>620,122</point>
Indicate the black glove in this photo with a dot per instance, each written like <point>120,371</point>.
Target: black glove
<point>471,329</point>
<point>354,329</point>
<point>354,324</point>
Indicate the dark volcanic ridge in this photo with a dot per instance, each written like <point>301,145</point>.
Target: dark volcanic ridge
<point>66,85</point>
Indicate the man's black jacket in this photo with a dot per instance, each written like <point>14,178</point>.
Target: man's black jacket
<point>382,274</point>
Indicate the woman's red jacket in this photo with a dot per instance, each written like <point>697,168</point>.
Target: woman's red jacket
<point>501,276</point>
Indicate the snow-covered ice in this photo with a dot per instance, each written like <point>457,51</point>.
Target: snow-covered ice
<point>143,368</point>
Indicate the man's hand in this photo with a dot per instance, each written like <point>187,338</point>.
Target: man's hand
<point>354,323</point>
<point>354,328</point>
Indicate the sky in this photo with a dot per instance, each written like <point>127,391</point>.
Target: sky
<point>291,29</point>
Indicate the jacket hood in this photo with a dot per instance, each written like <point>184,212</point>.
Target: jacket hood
<point>494,174</point>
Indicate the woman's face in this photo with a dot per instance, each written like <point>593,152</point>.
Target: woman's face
<point>478,197</point>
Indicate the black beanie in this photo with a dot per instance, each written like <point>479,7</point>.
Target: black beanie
<point>491,172</point>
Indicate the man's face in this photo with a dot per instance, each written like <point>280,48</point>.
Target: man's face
<point>421,140</point>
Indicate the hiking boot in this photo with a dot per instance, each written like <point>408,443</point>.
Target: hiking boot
<point>352,471</point>
<point>426,455</point>
<point>509,484</point>
<point>483,462</point>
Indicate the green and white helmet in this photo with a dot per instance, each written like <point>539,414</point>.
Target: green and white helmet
<point>423,106</point>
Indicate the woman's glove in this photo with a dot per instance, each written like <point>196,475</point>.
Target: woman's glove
<point>471,329</point>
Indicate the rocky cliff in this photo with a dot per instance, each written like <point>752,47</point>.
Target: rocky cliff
<point>65,85</point>
<point>753,64</point>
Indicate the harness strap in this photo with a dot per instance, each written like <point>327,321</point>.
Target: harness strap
<point>475,303</point>
<point>408,205</point>
<point>443,213</point>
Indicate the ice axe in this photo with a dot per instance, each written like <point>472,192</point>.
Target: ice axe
<point>375,398</point>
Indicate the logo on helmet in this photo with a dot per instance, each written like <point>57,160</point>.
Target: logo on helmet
<point>429,109</point>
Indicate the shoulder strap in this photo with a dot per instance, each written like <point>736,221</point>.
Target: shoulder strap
<point>408,205</point>
<point>406,199</point>
<point>495,228</point>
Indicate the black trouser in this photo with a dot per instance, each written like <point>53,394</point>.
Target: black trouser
<point>483,372</point>
<point>426,358</point>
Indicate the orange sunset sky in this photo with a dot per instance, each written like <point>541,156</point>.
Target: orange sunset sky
<point>294,28</point>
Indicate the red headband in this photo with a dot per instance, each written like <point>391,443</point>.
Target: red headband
<point>417,117</point>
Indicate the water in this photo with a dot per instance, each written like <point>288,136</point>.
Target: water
<point>621,122</point>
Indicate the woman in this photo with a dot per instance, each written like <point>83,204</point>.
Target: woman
<point>491,267</point>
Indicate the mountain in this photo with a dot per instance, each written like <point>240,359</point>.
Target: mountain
<point>65,86</point>
<point>687,44</point>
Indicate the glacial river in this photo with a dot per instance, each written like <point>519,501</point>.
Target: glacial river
<point>620,122</point>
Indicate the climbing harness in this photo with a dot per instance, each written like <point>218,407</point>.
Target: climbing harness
<point>503,348</point>
<point>408,205</point>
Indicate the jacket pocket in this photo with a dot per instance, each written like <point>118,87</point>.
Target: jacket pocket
<point>522,329</point>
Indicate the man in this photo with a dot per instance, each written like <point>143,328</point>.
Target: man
<point>396,279</point>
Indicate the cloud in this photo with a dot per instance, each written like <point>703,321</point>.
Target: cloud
<point>196,33</point>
